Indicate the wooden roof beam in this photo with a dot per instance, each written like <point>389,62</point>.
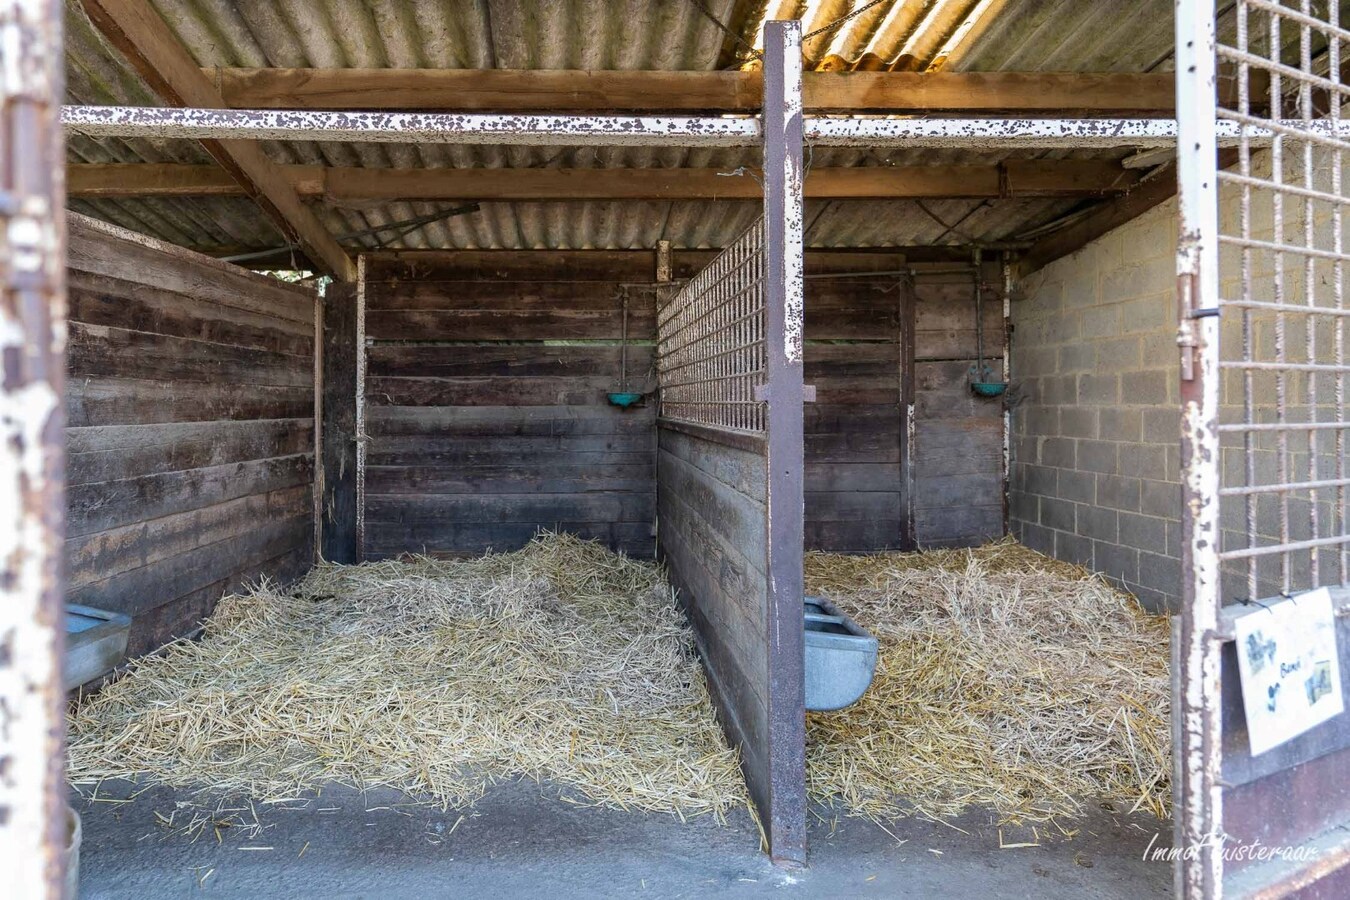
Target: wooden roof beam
<point>1013,178</point>
<point>511,90</point>
<point>135,29</point>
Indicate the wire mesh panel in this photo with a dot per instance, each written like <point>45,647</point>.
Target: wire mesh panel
<point>1261,267</point>
<point>710,341</point>
<point>1283,264</point>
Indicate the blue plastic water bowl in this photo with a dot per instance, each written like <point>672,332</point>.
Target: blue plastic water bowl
<point>989,388</point>
<point>624,399</point>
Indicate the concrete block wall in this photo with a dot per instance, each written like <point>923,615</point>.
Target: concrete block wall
<point>1095,475</point>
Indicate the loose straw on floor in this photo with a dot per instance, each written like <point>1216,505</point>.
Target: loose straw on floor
<point>562,661</point>
<point>1006,680</point>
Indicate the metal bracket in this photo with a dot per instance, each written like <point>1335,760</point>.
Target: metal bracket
<point>762,393</point>
<point>1187,291</point>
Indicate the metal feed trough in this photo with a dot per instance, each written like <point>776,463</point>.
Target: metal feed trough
<point>96,641</point>
<point>840,657</point>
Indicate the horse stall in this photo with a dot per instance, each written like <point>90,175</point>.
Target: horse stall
<point>445,453</point>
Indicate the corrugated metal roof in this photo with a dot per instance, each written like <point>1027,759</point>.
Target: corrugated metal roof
<point>973,35</point>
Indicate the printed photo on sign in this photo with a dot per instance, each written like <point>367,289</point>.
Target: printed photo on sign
<point>1289,668</point>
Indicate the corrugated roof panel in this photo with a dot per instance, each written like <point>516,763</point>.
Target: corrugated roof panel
<point>1046,35</point>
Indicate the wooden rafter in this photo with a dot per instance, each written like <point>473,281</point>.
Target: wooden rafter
<point>143,37</point>
<point>1014,178</point>
<point>510,90</point>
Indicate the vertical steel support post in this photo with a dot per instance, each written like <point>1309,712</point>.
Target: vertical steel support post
<point>361,408</point>
<point>785,501</point>
<point>1196,682</point>
<point>32,448</point>
<point>318,486</point>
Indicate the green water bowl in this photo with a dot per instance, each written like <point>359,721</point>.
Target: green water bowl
<point>989,388</point>
<point>624,399</point>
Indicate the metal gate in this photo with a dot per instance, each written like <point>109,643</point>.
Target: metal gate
<point>1262,267</point>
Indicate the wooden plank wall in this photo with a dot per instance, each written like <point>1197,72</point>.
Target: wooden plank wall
<point>713,537</point>
<point>486,409</point>
<point>338,541</point>
<point>853,431</point>
<point>190,434</point>
<point>859,357</point>
<point>958,437</point>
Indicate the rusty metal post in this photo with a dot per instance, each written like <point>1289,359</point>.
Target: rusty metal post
<point>32,448</point>
<point>785,501</point>
<point>361,408</point>
<point>1196,683</point>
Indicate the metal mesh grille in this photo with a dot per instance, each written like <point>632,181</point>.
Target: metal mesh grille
<point>710,341</point>
<point>1283,506</point>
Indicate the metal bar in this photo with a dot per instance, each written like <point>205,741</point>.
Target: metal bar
<point>32,449</point>
<point>1288,307</point>
<point>1198,752</point>
<point>1226,177</point>
<point>1276,246</point>
<point>1274,67</point>
<point>1329,28</point>
<point>1285,547</point>
<point>443,128</point>
<point>1341,520</point>
<point>1241,427</point>
<point>318,486</point>
<point>1282,367</point>
<point>784,500</point>
<point>1324,132</point>
<point>361,438</point>
<point>1284,486</point>
<point>1044,133</point>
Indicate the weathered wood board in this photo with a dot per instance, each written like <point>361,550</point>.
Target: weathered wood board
<point>487,415</point>
<point>191,430</point>
<point>957,454</point>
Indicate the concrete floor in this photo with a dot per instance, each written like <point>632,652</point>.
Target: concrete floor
<point>522,841</point>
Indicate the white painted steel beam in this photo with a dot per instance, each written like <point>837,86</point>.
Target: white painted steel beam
<point>679,131</point>
<point>440,128</point>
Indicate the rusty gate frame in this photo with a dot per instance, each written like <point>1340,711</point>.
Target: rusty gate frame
<point>1212,767</point>
<point>32,448</point>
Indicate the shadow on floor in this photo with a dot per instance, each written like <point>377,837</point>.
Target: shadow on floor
<point>522,841</point>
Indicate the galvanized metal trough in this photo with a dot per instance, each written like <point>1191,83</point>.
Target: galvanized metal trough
<point>840,657</point>
<point>96,641</point>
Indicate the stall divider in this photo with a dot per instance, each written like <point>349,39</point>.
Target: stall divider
<point>730,468</point>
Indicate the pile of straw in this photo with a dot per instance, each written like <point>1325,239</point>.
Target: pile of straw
<point>561,661</point>
<point>1005,680</point>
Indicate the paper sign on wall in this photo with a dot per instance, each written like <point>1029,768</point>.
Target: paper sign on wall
<point>1289,668</point>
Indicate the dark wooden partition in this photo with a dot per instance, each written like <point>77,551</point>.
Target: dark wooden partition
<point>729,514</point>
<point>859,358</point>
<point>487,414</point>
<point>899,452</point>
<point>957,448</point>
<point>338,388</point>
<point>190,436</point>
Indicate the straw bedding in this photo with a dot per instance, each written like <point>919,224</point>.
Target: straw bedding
<point>561,661</point>
<point>1005,680</point>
